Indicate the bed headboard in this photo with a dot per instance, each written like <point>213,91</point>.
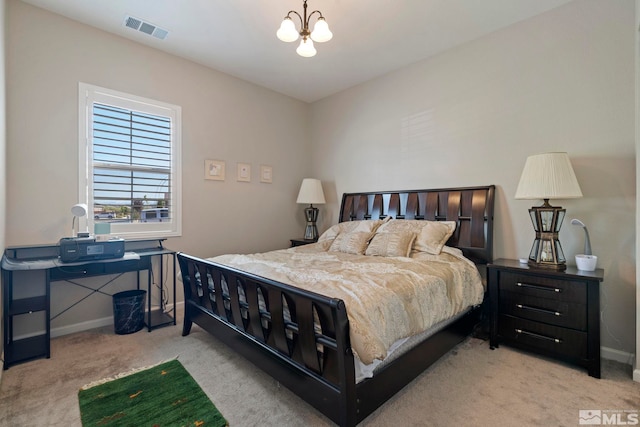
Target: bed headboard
<point>470,207</point>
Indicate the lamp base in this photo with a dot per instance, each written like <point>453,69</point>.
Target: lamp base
<point>311,232</point>
<point>311,215</point>
<point>547,266</point>
<point>546,252</point>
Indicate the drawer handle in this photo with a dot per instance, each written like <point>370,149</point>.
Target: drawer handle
<point>542,337</point>
<point>540,288</point>
<point>539,310</point>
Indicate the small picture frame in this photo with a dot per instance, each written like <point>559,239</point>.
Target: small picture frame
<point>266,174</point>
<point>214,170</point>
<point>244,172</point>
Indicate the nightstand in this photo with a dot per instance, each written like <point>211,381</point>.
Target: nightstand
<point>553,313</point>
<point>302,242</point>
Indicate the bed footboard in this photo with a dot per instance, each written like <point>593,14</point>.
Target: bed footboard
<point>298,337</point>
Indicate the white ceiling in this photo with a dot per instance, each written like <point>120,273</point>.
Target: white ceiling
<point>370,38</point>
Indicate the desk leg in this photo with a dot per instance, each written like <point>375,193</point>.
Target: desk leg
<point>47,283</point>
<point>174,288</point>
<point>149,284</point>
<point>160,317</point>
<point>161,283</point>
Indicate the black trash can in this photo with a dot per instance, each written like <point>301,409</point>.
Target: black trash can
<point>128,311</point>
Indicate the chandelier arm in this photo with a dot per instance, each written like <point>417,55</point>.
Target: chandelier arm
<point>311,14</point>
<point>299,17</point>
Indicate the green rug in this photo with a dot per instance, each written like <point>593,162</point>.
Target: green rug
<point>162,395</point>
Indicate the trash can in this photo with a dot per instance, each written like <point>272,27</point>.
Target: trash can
<point>128,311</point>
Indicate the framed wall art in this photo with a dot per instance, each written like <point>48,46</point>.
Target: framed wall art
<point>214,170</point>
<point>266,174</point>
<point>244,172</point>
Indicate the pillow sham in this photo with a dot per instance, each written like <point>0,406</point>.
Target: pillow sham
<point>431,236</point>
<point>354,242</point>
<point>351,226</point>
<point>391,244</point>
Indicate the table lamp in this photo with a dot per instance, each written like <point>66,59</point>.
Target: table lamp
<point>311,193</point>
<point>547,176</point>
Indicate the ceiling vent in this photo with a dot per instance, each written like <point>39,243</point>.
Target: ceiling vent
<point>145,27</point>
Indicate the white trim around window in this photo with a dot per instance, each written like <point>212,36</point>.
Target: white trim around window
<point>129,163</point>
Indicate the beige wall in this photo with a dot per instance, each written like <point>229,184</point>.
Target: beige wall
<point>562,81</point>
<point>3,147</point>
<point>636,372</point>
<point>223,118</point>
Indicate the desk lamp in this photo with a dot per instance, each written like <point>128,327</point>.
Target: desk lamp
<point>587,242</point>
<point>311,192</point>
<point>547,176</point>
<point>78,210</point>
<point>585,261</point>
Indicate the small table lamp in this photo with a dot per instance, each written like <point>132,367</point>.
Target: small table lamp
<point>78,210</point>
<point>311,192</point>
<point>547,176</point>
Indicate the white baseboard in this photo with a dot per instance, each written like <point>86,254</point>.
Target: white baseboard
<point>82,326</point>
<point>636,375</point>
<point>89,324</point>
<point>617,355</point>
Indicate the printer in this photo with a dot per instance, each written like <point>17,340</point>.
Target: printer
<point>78,249</point>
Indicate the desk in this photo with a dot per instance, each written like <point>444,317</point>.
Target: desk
<point>44,258</point>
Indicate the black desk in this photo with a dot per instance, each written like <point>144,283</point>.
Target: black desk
<point>44,258</point>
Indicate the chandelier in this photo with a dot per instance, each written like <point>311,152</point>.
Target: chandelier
<point>288,32</point>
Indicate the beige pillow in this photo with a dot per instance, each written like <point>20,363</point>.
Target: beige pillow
<point>351,226</point>
<point>391,244</point>
<point>351,243</point>
<point>431,236</point>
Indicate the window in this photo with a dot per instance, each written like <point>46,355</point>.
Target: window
<point>130,163</point>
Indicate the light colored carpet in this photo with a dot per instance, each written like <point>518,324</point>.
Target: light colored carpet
<point>471,385</point>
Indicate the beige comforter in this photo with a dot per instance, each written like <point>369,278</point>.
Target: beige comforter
<point>386,298</point>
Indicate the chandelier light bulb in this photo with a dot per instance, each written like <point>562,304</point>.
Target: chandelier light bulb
<point>306,48</point>
<point>287,31</point>
<point>321,32</point>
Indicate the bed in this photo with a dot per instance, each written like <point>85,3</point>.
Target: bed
<point>308,341</point>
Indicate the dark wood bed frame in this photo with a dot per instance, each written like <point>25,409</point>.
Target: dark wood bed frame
<point>288,349</point>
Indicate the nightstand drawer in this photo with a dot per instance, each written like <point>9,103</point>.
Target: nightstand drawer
<point>543,287</point>
<point>547,338</point>
<point>551,311</point>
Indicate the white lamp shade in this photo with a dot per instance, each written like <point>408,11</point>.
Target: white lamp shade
<point>306,48</point>
<point>321,32</point>
<point>79,209</point>
<point>287,31</point>
<point>548,176</point>
<point>311,192</point>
